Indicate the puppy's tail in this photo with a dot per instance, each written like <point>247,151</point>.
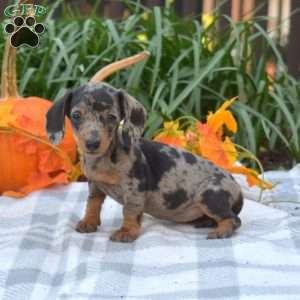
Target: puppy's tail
<point>119,65</point>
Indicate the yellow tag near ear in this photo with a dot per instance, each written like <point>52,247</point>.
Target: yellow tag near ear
<point>121,124</point>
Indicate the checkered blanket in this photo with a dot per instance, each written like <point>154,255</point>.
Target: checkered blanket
<point>43,257</point>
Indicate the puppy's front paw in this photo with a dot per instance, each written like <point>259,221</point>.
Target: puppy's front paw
<point>87,225</point>
<point>124,236</point>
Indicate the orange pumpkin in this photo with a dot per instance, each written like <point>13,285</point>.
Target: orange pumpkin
<point>28,162</point>
<point>27,159</point>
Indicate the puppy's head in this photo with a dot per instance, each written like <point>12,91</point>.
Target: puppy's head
<point>99,113</point>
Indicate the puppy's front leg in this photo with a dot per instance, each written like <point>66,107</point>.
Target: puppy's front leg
<point>91,218</point>
<point>131,226</point>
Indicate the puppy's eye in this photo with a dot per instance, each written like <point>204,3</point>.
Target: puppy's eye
<point>76,116</point>
<point>111,118</point>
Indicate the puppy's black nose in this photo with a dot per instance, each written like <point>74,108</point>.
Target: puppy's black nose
<point>92,145</point>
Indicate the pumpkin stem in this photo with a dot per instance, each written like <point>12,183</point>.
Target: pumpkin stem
<point>118,65</point>
<point>8,73</point>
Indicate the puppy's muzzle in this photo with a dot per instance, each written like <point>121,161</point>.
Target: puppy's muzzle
<point>92,145</point>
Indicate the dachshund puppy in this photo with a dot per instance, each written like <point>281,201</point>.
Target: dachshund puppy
<point>144,176</point>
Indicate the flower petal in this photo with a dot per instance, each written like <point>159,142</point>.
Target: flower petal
<point>222,117</point>
<point>252,177</point>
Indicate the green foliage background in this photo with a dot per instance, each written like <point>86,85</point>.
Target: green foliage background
<point>191,71</point>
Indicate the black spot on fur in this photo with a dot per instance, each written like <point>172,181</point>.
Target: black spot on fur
<point>174,199</point>
<point>189,158</point>
<point>218,176</point>
<point>121,102</point>
<point>137,117</point>
<point>140,171</point>
<point>158,146</point>
<point>237,206</point>
<point>126,141</point>
<point>78,96</point>
<point>204,222</point>
<point>111,129</point>
<point>100,105</point>
<point>150,172</point>
<point>111,90</point>
<point>174,152</point>
<point>158,162</point>
<point>114,156</point>
<point>103,100</point>
<point>218,203</point>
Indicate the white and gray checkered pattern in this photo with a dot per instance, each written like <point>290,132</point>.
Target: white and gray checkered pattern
<point>43,257</point>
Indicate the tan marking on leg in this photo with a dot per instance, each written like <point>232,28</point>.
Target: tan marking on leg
<point>225,225</point>
<point>91,218</point>
<point>225,229</point>
<point>130,228</point>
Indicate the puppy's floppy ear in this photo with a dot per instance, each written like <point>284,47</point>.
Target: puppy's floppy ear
<point>133,117</point>
<point>55,118</point>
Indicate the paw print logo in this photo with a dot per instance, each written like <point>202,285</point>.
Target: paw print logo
<point>24,32</point>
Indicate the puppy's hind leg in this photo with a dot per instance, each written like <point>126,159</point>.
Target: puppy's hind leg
<point>216,205</point>
<point>204,222</point>
<point>225,228</point>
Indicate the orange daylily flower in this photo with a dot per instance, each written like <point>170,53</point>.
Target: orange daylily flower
<point>252,177</point>
<point>230,150</point>
<point>222,153</point>
<point>222,117</point>
<point>172,125</point>
<point>191,136</point>
<point>192,140</point>
<point>208,140</point>
<point>171,135</point>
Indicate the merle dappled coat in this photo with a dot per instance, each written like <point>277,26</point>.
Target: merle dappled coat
<point>144,176</point>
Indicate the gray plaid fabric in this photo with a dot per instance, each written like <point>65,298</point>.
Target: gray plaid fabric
<point>43,257</point>
<point>285,193</point>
